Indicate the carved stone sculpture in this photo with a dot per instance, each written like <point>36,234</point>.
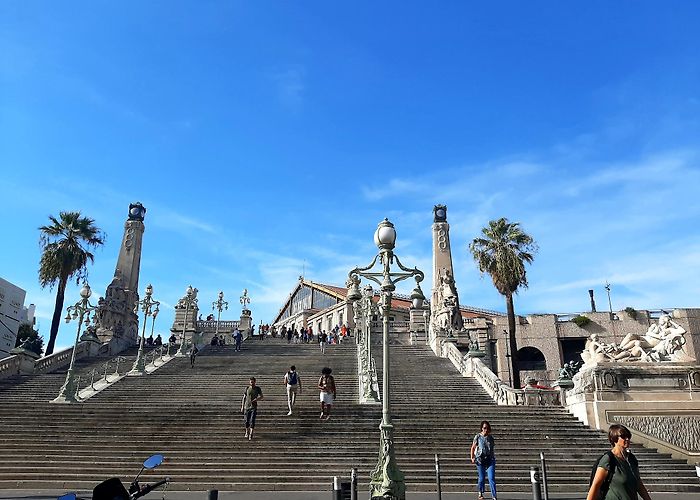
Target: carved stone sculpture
<point>663,341</point>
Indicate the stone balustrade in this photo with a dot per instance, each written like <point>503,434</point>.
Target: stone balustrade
<point>56,360</point>
<point>394,326</point>
<point>494,386</point>
<point>224,326</point>
<point>9,366</point>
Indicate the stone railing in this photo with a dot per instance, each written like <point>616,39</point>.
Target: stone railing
<point>394,326</point>
<point>502,393</point>
<point>9,366</point>
<point>224,326</point>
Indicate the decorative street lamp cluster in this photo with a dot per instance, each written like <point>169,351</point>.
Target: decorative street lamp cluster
<point>219,305</point>
<point>80,311</point>
<point>387,481</point>
<point>146,305</point>
<point>245,300</point>
<point>189,301</point>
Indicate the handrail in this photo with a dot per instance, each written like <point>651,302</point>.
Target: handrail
<point>9,366</point>
<point>502,393</point>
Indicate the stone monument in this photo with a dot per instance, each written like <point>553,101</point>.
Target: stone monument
<point>445,315</point>
<point>118,324</point>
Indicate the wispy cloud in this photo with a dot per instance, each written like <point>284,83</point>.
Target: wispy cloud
<point>291,85</point>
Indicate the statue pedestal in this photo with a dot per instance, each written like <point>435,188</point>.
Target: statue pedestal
<point>476,354</point>
<point>27,359</point>
<point>655,400</point>
<point>563,384</point>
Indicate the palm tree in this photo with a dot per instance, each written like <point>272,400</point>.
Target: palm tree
<point>502,253</point>
<point>64,255</point>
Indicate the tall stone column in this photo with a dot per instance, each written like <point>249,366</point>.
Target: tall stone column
<point>444,307</point>
<point>118,322</point>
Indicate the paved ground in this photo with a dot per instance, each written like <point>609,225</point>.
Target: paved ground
<point>303,495</point>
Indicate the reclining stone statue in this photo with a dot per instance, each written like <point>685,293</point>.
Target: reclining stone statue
<point>661,342</point>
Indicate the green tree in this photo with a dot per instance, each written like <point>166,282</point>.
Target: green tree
<point>502,252</point>
<point>65,245</point>
<point>35,342</point>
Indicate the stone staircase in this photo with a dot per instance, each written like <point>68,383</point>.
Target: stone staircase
<point>191,415</point>
<point>426,394</point>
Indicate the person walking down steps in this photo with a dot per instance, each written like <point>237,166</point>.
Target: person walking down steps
<point>482,454</point>
<point>249,407</point>
<point>326,384</point>
<point>292,381</point>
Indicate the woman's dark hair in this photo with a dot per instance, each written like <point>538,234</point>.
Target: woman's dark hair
<point>483,423</point>
<point>618,431</point>
<point>326,371</point>
<point>292,367</point>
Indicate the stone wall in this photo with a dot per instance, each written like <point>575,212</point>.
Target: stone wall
<point>545,331</point>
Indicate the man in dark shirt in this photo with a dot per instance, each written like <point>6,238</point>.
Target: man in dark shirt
<point>249,407</point>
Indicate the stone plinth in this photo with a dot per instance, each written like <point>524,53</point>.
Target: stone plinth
<point>654,400</point>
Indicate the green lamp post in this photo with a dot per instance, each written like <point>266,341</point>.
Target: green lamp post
<point>187,302</point>
<point>219,305</point>
<point>386,481</point>
<point>146,305</point>
<point>81,311</point>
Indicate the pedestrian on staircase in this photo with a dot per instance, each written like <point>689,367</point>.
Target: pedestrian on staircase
<point>249,407</point>
<point>292,381</point>
<point>326,384</point>
<point>482,454</point>
<point>238,337</point>
<point>617,472</point>
<point>322,339</point>
<point>193,355</point>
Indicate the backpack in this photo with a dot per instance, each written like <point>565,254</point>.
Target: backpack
<point>608,479</point>
<point>292,378</point>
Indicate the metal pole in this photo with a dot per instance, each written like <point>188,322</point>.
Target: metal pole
<point>353,484</point>
<point>535,480</point>
<point>437,476</point>
<point>336,489</point>
<point>544,476</point>
<point>183,349</point>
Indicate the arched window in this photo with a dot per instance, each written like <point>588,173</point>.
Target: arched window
<point>531,358</point>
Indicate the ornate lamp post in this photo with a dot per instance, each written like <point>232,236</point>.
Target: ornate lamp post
<point>363,315</point>
<point>245,300</point>
<point>80,311</point>
<point>146,305</point>
<point>219,305</point>
<point>189,300</point>
<point>387,481</point>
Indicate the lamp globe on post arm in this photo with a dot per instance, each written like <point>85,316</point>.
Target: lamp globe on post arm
<point>81,311</point>
<point>387,481</point>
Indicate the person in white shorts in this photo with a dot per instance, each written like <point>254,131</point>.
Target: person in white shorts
<point>326,384</point>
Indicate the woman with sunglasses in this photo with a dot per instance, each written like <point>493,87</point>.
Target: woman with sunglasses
<point>617,475</point>
<point>482,454</point>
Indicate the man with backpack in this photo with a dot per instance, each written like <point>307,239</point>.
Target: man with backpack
<point>292,381</point>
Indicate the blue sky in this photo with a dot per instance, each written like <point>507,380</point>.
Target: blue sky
<point>267,138</point>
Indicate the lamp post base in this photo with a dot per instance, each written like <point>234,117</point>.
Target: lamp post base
<point>182,351</point>
<point>387,481</point>
<point>139,367</point>
<point>69,391</point>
